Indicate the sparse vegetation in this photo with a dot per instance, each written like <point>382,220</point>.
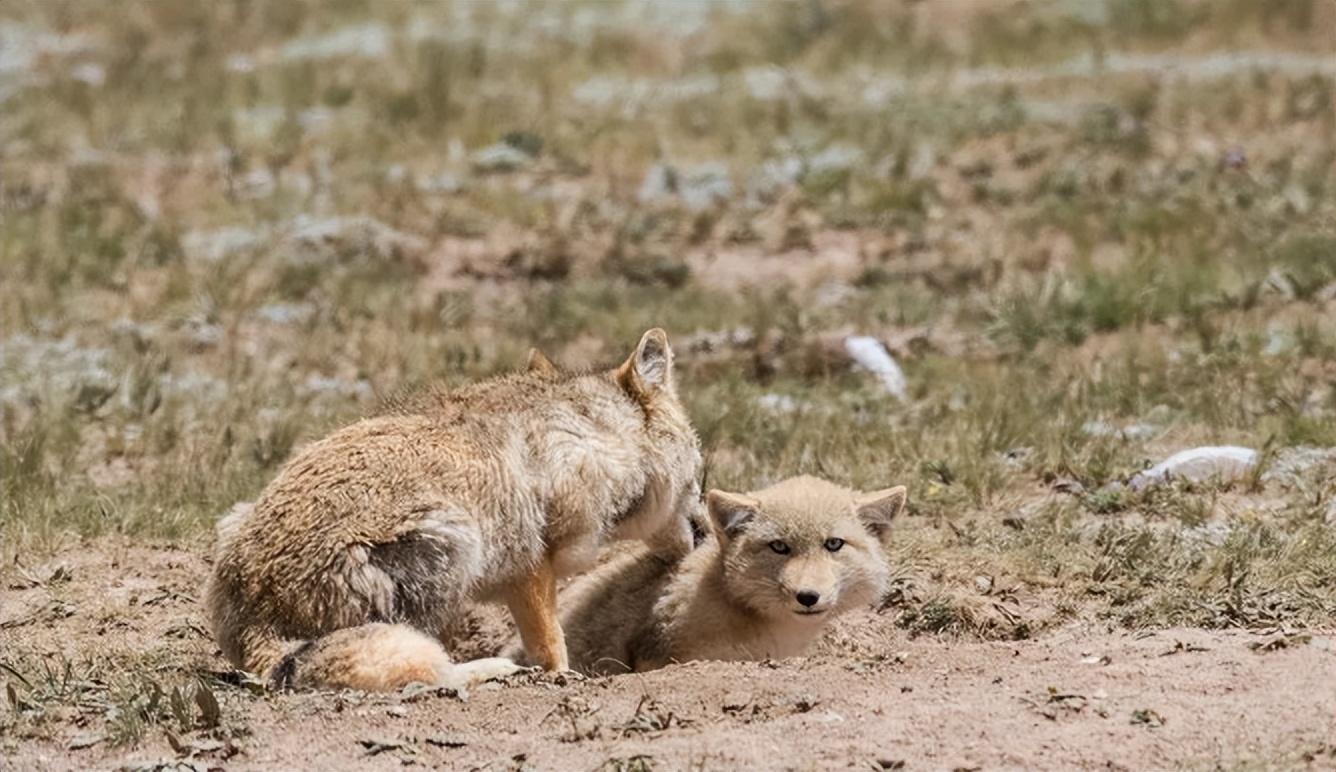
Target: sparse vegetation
<point>1091,233</point>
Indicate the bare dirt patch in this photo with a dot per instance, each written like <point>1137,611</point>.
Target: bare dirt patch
<point>1081,696</point>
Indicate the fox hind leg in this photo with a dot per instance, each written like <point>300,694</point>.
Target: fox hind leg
<point>533,603</point>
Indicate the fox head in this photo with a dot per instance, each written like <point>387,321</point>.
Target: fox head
<point>805,548</point>
<point>672,496</point>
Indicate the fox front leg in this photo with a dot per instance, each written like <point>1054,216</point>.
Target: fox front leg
<point>533,603</point>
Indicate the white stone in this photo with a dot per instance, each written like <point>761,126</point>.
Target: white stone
<point>698,187</point>
<point>869,354</point>
<point>1223,463</point>
<point>218,244</point>
<point>778,403</point>
<point>286,313</point>
<point>327,238</point>
<point>368,41</point>
<point>500,158</point>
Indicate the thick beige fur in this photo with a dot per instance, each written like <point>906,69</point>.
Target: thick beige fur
<point>737,597</point>
<point>368,544</point>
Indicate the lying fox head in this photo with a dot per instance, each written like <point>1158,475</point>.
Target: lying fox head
<point>804,547</point>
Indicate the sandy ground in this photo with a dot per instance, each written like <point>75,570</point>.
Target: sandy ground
<point>1080,697</point>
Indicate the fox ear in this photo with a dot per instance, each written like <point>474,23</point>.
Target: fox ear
<point>730,511</point>
<point>649,369</point>
<point>879,508</point>
<point>540,364</point>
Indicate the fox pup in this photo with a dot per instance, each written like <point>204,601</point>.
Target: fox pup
<point>784,561</point>
<point>368,544</point>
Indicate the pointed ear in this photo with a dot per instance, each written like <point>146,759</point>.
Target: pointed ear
<point>877,509</point>
<point>649,369</point>
<point>540,364</point>
<point>730,512</point>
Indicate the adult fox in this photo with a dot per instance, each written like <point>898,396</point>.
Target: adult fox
<point>369,543</point>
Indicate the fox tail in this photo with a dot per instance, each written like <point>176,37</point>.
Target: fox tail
<point>372,657</point>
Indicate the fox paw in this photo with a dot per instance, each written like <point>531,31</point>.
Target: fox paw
<point>563,677</point>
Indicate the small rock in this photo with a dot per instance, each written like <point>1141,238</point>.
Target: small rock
<point>444,182</point>
<point>90,74</point>
<point>1277,342</point>
<point>869,354</point>
<point>1160,415</point>
<point>440,741</point>
<point>1276,282</point>
<point>767,84</point>
<point>774,176</point>
<point>659,182</point>
<point>1223,463</point>
<point>286,313</point>
<point>367,41</point>
<point>835,158</point>
<point>778,403</point>
<point>215,245</point>
<point>322,385</point>
<point>256,184</point>
<point>735,702</point>
<point>500,157</point>
<point>713,341</point>
<point>1213,533</point>
<point>202,335</point>
<point>832,293</point>
<point>804,703</point>
<point>923,161</point>
<point>1147,717</point>
<point>1293,466</point>
<point>240,63</point>
<point>317,240</point>
<point>1297,200</point>
<point>86,740</point>
<point>698,187</point>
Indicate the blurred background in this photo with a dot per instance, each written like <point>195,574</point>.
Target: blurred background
<point>1082,233</point>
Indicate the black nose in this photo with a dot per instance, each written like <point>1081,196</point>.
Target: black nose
<point>808,598</point>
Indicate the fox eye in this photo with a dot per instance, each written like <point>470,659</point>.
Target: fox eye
<point>833,544</point>
<point>779,547</point>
